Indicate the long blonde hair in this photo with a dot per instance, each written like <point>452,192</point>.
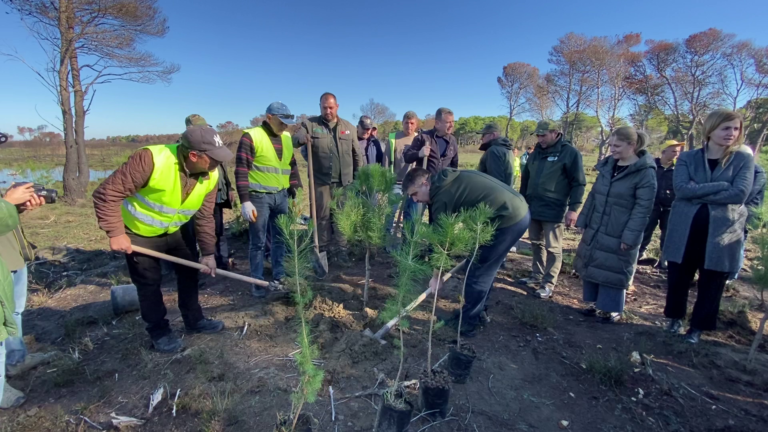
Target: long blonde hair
<point>714,120</point>
<point>630,135</point>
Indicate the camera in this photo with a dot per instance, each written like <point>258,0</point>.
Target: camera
<point>49,195</point>
<point>3,138</point>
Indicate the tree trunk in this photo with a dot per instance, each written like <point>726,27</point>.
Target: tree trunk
<point>83,174</point>
<point>69,177</point>
<point>509,120</point>
<point>758,338</point>
<point>690,137</point>
<point>761,139</point>
<point>367,277</point>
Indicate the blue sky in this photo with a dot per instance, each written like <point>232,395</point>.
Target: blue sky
<point>237,56</point>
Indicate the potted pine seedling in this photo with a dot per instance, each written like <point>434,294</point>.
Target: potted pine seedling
<point>298,247</point>
<point>448,238</point>
<point>361,212</point>
<point>395,411</point>
<point>477,223</point>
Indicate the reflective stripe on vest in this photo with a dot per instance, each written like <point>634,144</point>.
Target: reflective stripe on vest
<point>268,173</point>
<point>392,142</point>
<point>158,208</point>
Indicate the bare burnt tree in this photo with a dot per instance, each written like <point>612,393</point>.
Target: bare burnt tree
<point>570,82</point>
<point>517,80</point>
<point>88,43</point>
<point>377,111</point>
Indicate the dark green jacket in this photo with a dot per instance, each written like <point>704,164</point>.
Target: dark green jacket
<point>553,181</point>
<point>9,220</point>
<point>452,190</point>
<point>616,212</point>
<point>497,160</point>
<point>325,150</point>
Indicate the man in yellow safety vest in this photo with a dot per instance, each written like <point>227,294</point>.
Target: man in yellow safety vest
<point>145,202</point>
<point>266,177</point>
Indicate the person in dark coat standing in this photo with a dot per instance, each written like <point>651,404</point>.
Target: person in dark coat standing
<point>497,157</point>
<point>613,220</point>
<point>706,226</point>
<point>665,195</point>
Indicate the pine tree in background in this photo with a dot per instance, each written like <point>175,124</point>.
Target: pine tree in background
<point>361,210</point>
<point>298,246</point>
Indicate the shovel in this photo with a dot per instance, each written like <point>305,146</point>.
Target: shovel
<point>319,259</point>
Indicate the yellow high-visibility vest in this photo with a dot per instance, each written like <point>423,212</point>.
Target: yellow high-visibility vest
<point>268,173</point>
<point>157,209</point>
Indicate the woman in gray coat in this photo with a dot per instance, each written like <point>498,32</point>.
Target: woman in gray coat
<point>613,220</point>
<point>706,225</point>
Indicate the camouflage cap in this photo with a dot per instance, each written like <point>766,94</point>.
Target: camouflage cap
<point>545,126</point>
<point>195,120</point>
<point>490,128</point>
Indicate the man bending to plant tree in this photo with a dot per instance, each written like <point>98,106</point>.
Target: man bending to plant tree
<point>450,191</point>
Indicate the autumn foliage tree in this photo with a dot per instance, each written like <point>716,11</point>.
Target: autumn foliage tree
<point>88,43</point>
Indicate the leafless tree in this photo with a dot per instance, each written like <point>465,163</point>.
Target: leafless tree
<point>570,82</point>
<point>377,111</point>
<point>517,80</point>
<point>88,43</point>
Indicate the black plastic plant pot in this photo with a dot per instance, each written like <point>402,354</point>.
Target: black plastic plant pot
<point>304,424</point>
<point>460,363</point>
<point>394,419</point>
<point>435,392</point>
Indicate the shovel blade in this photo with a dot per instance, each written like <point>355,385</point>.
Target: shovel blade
<point>320,264</point>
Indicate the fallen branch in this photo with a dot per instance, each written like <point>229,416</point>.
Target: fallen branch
<point>758,338</point>
<point>91,423</point>
<point>489,387</point>
<point>333,408</point>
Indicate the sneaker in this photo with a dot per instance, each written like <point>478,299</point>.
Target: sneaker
<point>207,326</point>
<point>258,291</point>
<point>11,398</point>
<point>608,317</point>
<point>590,311</point>
<point>513,250</point>
<point>168,344</point>
<point>674,326</point>
<point>693,336</point>
<point>30,362</point>
<point>543,293</point>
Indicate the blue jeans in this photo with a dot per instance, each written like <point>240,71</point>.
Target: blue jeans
<point>481,273</point>
<point>15,349</point>
<point>268,207</point>
<point>735,275</point>
<point>2,367</point>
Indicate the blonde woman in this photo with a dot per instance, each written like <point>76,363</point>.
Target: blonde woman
<point>613,220</point>
<point>706,225</point>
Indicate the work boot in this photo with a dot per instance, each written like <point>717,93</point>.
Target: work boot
<point>206,325</point>
<point>168,344</point>
<point>543,293</point>
<point>30,362</point>
<point>674,326</point>
<point>258,292</point>
<point>11,398</point>
<point>608,317</point>
<point>693,336</point>
<point>590,311</point>
<point>530,282</point>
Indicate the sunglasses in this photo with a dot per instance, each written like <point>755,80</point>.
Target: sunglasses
<point>285,116</point>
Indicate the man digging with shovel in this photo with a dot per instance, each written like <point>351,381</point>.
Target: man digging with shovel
<point>145,202</point>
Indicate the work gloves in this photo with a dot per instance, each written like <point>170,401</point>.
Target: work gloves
<point>248,211</point>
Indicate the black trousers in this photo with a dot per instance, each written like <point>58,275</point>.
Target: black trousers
<point>146,275</point>
<point>659,217</point>
<point>221,252</point>
<point>710,286</point>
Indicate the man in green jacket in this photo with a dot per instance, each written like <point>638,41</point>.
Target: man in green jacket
<point>497,159</point>
<point>451,190</point>
<point>9,220</point>
<point>335,161</point>
<point>553,184</point>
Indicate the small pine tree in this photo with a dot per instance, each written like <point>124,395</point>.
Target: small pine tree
<point>477,222</point>
<point>361,211</point>
<point>759,268</point>
<point>448,239</point>
<point>298,246</point>
<point>411,269</point>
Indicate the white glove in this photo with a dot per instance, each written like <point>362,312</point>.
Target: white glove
<point>248,211</point>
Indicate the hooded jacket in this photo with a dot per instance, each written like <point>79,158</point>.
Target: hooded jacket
<point>9,220</point>
<point>553,181</point>
<point>616,212</point>
<point>452,190</point>
<point>497,160</point>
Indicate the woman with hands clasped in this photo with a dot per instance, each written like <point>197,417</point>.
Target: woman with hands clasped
<point>612,222</point>
<point>706,226</point>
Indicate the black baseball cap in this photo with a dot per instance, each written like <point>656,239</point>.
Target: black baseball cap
<point>204,139</point>
<point>365,122</point>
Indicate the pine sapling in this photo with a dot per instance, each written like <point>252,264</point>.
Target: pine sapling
<point>477,222</point>
<point>298,246</point>
<point>448,239</point>
<point>759,269</point>
<point>361,212</point>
